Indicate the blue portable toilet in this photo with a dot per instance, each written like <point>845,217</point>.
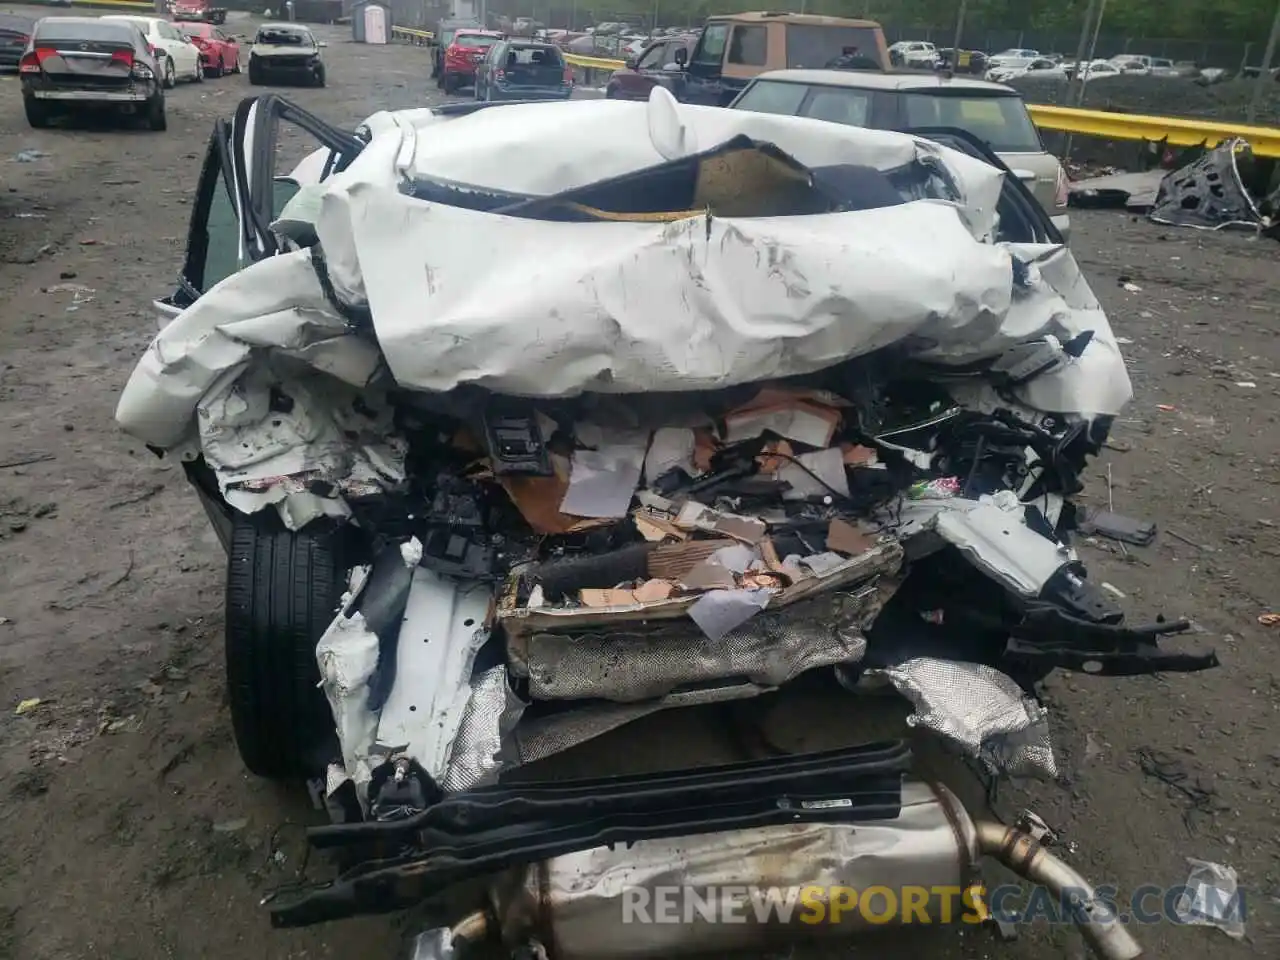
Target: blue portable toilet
<point>370,22</point>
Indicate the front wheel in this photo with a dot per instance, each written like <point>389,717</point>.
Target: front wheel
<point>282,590</point>
<point>199,74</point>
<point>236,66</point>
<point>318,79</point>
<point>450,83</point>
<point>222,68</point>
<point>255,74</point>
<point>170,77</point>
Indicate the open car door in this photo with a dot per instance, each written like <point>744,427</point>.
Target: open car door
<point>240,194</point>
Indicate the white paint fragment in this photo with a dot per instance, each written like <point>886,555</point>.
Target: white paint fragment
<point>411,552</point>
<point>348,656</point>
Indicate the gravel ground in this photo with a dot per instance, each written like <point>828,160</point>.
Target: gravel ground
<point>132,832</point>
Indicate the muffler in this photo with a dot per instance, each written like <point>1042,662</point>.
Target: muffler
<point>741,890</point>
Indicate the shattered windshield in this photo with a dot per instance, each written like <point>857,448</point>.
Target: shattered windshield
<point>284,38</point>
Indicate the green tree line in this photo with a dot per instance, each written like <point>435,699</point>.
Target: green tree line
<point>1189,19</point>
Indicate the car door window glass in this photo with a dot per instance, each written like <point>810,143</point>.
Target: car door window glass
<point>814,46</point>
<point>772,96</point>
<point>221,256</point>
<point>835,105</point>
<point>749,46</point>
<point>710,49</point>
<point>654,59</point>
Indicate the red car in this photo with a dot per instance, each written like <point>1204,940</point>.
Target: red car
<point>656,64</point>
<point>219,53</point>
<point>463,56</point>
<point>197,10</point>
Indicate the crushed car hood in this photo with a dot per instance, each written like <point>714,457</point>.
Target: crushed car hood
<point>461,296</point>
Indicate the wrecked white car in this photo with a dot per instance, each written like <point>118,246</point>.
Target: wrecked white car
<point>515,433</point>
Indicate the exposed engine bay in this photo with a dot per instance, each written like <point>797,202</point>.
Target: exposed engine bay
<point>639,425</point>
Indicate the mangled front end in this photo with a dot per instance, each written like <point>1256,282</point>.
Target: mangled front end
<point>663,421</point>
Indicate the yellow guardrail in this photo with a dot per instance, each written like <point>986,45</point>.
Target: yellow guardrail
<point>593,63</point>
<point>1178,131</point>
<point>411,32</point>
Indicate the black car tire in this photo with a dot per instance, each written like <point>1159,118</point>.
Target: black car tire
<point>450,83</point>
<point>611,92</point>
<point>38,113</point>
<point>222,68</point>
<point>282,590</point>
<point>255,74</point>
<point>156,118</point>
<point>167,72</point>
<point>199,77</point>
<point>318,80</point>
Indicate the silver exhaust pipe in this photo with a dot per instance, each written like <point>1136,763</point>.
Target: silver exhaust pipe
<point>1023,854</point>
<point>740,890</point>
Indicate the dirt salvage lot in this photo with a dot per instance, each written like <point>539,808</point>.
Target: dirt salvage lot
<point>131,831</point>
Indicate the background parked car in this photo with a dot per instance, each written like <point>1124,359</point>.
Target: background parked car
<point>993,113</point>
<point>1098,69</point>
<point>970,61</point>
<point>734,48</point>
<point>219,53</point>
<point>15,32</point>
<point>1040,67</point>
<point>445,31</point>
<point>197,10</point>
<point>463,56</point>
<point>657,64</point>
<point>287,53</point>
<point>1016,53</point>
<point>913,54</point>
<point>88,63</point>
<point>523,70</point>
<point>180,59</point>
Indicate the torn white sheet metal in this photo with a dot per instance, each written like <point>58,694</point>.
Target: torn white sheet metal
<point>560,146</point>
<point>348,656</point>
<point>979,710</point>
<point>700,303</point>
<point>445,625</point>
<point>278,306</point>
<point>272,439</point>
<point>992,533</point>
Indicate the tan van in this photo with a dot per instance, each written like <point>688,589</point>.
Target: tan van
<point>736,47</point>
